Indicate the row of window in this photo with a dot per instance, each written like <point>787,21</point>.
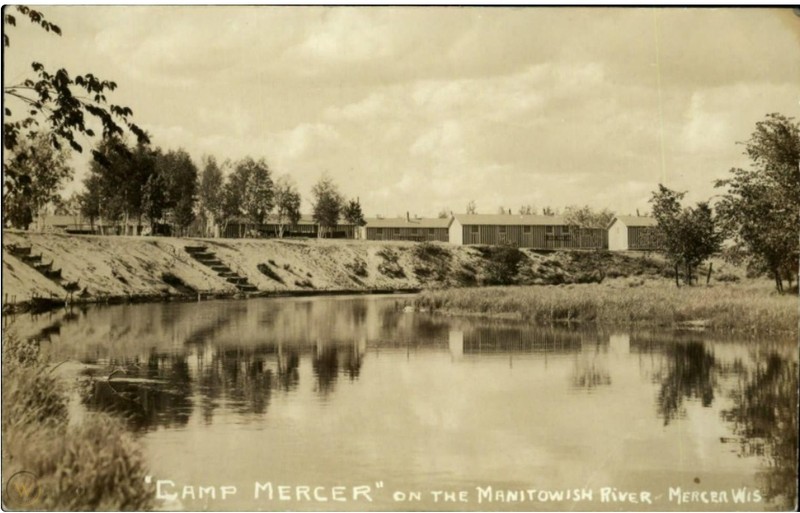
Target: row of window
<point>549,230</point>
<point>414,231</point>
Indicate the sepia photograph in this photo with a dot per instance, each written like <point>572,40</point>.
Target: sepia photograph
<point>400,258</point>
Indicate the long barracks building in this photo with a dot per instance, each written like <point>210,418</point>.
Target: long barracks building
<point>524,231</point>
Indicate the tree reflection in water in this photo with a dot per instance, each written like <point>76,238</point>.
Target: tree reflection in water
<point>764,417</point>
<point>326,368</point>
<point>288,363</point>
<point>352,363</point>
<point>246,381</point>
<point>153,394</point>
<point>237,358</point>
<point>689,374</point>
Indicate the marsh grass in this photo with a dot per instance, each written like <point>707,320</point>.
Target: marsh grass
<point>747,307</point>
<point>94,464</point>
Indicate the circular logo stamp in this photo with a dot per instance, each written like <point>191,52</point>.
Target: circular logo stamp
<point>22,490</point>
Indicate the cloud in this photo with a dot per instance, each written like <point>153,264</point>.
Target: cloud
<point>417,108</point>
<point>349,35</point>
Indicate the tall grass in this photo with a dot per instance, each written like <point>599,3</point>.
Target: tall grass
<point>91,465</point>
<point>750,307</point>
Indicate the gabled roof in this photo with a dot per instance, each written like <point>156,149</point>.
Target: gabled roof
<point>633,221</point>
<point>509,220</point>
<point>402,222</point>
<point>304,219</point>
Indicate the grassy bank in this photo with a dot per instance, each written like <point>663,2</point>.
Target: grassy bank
<point>750,306</point>
<point>62,464</point>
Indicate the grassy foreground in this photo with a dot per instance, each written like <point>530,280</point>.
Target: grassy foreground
<point>94,464</point>
<point>751,306</point>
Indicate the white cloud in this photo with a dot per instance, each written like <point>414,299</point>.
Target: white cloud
<point>419,108</point>
<point>349,35</point>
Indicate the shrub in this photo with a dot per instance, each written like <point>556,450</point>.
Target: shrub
<point>436,270</point>
<point>390,266</point>
<point>588,277</point>
<point>465,277</point>
<point>304,284</point>
<point>422,272</point>
<point>269,273</point>
<point>503,265</point>
<point>614,273</point>
<point>726,277</point>
<point>358,267</point>
<point>429,251</point>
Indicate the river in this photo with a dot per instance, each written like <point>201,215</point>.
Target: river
<point>350,403</point>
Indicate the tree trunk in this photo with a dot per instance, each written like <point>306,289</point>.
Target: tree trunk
<point>708,276</point>
<point>778,281</point>
<point>677,276</point>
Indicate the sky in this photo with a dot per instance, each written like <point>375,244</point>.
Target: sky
<point>420,109</point>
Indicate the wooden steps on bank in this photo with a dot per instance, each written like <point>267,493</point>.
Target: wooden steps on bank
<point>25,254</point>
<point>206,257</point>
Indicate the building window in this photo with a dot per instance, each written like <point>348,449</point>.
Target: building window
<point>565,230</point>
<point>502,230</point>
<point>413,231</point>
<point>526,229</point>
<point>474,229</point>
<point>548,230</point>
<point>379,231</point>
<point>397,231</point>
<point>431,231</point>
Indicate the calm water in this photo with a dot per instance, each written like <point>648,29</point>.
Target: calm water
<point>353,392</point>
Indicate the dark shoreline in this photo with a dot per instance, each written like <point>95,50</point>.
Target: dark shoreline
<point>45,304</point>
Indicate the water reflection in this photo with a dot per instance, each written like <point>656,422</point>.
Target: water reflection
<point>435,384</point>
<point>687,374</point>
<point>326,367</point>
<point>149,393</point>
<point>764,416</point>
